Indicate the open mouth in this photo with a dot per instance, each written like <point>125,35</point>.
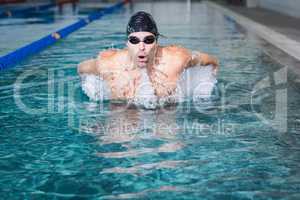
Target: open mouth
<point>142,59</point>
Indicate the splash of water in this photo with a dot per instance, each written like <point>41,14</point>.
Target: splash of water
<point>196,83</point>
<point>145,95</point>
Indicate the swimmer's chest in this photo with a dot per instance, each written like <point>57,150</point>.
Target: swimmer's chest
<point>124,82</point>
<point>164,77</point>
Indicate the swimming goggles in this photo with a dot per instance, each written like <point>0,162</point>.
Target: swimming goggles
<point>147,40</point>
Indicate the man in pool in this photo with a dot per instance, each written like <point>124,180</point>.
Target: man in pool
<point>122,69</point>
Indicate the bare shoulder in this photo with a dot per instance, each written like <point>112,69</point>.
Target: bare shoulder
<point>176,51</point>
<point>107,54</point>
<point>111,58</point>
<point>177,55</point>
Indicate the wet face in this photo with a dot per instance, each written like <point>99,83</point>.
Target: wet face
<point>141,48</point>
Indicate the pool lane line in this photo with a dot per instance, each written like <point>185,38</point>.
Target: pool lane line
<point>11,59</point>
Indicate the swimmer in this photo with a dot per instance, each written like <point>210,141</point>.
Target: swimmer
<point>123,69</point>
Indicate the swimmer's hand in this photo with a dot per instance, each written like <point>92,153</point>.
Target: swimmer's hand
<point>204,59</point>
<point>209,60</point>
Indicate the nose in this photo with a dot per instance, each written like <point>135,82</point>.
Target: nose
<point>142,46</point>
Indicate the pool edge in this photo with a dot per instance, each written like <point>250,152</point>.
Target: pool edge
<point>289,46</point>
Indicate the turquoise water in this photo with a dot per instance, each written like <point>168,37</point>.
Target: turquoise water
<point>244,144</point>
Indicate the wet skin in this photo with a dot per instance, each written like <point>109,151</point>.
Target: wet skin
<point>122,68</point>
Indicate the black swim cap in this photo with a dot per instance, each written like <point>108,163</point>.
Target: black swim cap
<point>142,21</point>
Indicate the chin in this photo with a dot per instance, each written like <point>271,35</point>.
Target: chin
<point>142,65</point>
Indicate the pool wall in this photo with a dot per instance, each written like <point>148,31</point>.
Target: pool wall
<point>279,40</point>
<point>288,7</point>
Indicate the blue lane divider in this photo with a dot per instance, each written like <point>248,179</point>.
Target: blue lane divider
<point>17,12</point>
<point>22,53</point>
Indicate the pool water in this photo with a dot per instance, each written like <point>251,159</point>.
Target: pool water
<point>241,144</point>
<point>35,25</point>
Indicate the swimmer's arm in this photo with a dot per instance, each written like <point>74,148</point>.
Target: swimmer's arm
<point>88,67</point>
<point>204,59</point>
